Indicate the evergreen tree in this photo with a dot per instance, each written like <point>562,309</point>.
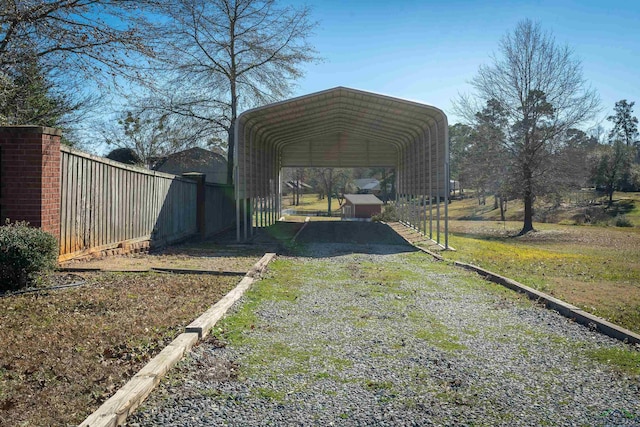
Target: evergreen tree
<point>27,97</point>
<point>625,125</point>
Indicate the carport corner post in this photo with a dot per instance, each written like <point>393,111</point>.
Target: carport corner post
<point>237,179</point>
<point>447,173</point>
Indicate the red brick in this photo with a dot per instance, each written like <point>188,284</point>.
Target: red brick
<point>31,176</point>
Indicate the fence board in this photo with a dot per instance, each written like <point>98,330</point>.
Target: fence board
<point>104,203</point>
<point>219,207</point>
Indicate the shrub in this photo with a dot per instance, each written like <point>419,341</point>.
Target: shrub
<point>388,214</point>
<point>25,253</point>
<point>622,221</point>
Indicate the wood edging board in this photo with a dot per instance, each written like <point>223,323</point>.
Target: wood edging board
<point>306,222</point>
<point>433,254</point>
<point>151,270</point>
<point>203,324</point>
<point>117,408</point>
<point>564,308</point>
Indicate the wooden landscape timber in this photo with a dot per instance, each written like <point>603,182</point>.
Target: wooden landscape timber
<point>116,409</point>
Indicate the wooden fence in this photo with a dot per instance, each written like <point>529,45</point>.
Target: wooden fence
<point>105,203</point>
<point>220,208</point>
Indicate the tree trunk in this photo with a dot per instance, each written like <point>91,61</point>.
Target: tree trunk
<point>528,214</point>
<point>385,196</point>
<point>230,154</point>
<point>527,198</point>
<point>232,137</point>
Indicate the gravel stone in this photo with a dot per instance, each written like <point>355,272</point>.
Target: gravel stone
<point>383,336</point>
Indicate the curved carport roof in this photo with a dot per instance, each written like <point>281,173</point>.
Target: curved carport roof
<point>342,127</point>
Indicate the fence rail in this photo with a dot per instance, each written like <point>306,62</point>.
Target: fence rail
<point>104,203</point>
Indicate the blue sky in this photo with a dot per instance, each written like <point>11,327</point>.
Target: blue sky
<point>427,51</point>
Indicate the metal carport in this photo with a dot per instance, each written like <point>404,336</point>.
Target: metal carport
<point>344,127</point>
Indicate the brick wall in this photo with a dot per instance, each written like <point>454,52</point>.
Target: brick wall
<point>30,176</point>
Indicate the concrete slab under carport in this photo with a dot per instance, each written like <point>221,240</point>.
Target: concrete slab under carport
<point>361,233</point>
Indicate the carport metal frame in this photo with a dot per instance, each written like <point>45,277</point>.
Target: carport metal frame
<point>344,127</point>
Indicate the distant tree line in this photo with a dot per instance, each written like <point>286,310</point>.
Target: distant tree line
<point>481,160</point>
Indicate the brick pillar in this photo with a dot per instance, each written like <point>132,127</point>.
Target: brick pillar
<point>30,176</point>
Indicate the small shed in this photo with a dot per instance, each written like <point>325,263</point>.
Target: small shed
<point>361,206</point>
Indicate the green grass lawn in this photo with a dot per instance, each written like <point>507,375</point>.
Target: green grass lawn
<point>311,202</point>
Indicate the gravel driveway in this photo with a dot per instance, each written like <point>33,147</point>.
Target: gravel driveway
<point>383,336</point>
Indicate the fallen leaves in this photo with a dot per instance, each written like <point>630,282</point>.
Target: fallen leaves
<point>68,350</point>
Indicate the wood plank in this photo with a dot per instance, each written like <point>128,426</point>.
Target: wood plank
<point>71,204</point>
<point>93,213</point>
<point>101,203</point>
<point>203,324</point>
<point>114,411</point>
<point>76,197</point>
<point>112,205</point>
<point>139,195</point>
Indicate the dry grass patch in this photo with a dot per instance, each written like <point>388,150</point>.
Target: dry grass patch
<point>63,352</point>
<point>196,256</point>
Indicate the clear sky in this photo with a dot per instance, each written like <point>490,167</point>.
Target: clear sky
<point>427,51</point>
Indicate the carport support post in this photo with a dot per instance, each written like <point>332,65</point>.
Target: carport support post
<point>438,190</point>
<point>430,190</point>
<point>279,195</point>
<point>447,183</point>
<point>236,188</point>
<point>236,183</point>
<point>247,215</point>
<point>423,183</point>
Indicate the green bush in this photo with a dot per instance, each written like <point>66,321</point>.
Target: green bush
<point>388,214</point>
<point>25,254</point>
<point>622,221</point>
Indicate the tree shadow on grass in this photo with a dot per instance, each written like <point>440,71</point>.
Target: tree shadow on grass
<point>621,207</point>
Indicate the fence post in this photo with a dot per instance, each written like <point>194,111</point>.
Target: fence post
<point>30,176</point>
<point>199,178</point>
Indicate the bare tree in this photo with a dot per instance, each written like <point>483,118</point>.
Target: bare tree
<point>54,52</point>
<point>93,36</point>
<point>540,87</point>
<point>332,182</point>
<point>223,56</point>
<point>149,136</point>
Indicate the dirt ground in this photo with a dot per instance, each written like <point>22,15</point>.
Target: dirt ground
<point>63,352</point>
<point>199,256</point>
